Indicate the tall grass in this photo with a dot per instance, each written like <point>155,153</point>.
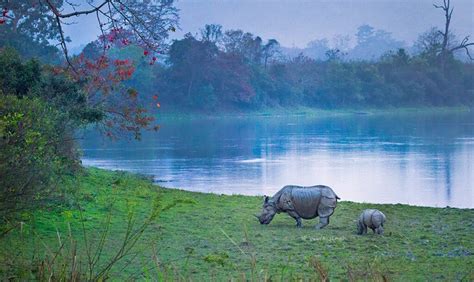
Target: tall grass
<point>74,258</point>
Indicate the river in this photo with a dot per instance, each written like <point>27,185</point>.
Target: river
<point>416,159</point>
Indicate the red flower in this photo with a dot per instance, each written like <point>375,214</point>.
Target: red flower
<point>158,105</point>
<point>2,21</point>
<point>145,52</point>
<point>155,97</point>
<point>154,59</point>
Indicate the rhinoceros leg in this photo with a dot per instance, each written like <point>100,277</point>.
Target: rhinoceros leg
<point>296,217</point>
<point>325,210</point>
<point>323,221</point>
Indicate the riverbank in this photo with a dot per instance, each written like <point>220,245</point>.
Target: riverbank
<point>314,112</point>
<point>195,236</point>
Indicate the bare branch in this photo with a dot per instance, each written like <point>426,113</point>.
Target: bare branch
<point>63,43</point>
<point>464,45</point>
<point>76,13</point>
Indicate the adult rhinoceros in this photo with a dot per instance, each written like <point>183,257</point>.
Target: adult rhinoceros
<point>301,202</point>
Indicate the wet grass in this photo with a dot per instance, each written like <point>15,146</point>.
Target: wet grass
<point>206,236</point>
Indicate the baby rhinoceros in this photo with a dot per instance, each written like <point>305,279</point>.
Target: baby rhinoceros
<point>301,202</point>
<point>371,218</point>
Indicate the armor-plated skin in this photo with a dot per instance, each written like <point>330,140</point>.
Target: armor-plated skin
<point>301,202</point>
<point>373,219</point>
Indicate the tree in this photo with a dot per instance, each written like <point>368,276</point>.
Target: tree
<point>270,49</point>
<point>440,45</point>
<point>364,34</point>
<point>202,76</point>
<point>333,55</point>
<point>372,43</point>
<point>122,23</point>
<point>191,63</point>
<point>147,22</point>
<point>428,44</point>
<point>447,46</point>
<point>243,44</point>
<point>29,28</point>
<point>39,113</point>
<point>212,33</point>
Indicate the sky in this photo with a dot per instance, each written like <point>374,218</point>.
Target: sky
<point>294,23</point>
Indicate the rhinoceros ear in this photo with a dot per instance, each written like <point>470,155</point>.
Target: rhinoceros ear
<point>266,199</point>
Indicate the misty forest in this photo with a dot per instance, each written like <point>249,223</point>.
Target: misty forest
<point>167,150</point>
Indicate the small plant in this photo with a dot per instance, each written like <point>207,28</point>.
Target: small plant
<point>219,258</point>
<point>319,268</point>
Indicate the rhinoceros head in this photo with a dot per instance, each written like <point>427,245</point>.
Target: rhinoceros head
<point>268,211</point>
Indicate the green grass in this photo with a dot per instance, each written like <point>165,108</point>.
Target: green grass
<point>207,236</point>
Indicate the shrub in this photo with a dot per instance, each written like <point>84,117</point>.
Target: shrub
<point>34,151</point>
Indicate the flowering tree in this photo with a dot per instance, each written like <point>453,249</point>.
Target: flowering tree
<point>143,23</point>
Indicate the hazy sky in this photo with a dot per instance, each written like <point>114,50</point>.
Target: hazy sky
<point>296,22</point>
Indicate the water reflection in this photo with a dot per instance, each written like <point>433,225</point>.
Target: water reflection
<point>417,159</point>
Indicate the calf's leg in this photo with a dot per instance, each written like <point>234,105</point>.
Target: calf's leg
<point>360,228</point>
<point>379,230</point>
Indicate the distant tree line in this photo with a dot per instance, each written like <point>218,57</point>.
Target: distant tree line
<point>234,70</point>
<point>217,71</point>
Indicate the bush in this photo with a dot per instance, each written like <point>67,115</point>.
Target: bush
<point>39,113</point>
<point>34,151</point>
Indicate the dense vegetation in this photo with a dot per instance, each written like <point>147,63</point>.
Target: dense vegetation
<point>234,70</point>
<point>215,237</point>
<point>39,113</point>
<point>46,95</point>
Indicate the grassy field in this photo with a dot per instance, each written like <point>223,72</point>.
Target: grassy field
<point>178,235</point>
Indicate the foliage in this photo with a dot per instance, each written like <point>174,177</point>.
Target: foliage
<point>34,150</point>
<point>34,27</point>
<point>420,243</point>
<point>232,72</point>
<point>28,28</point>
<point>39,111</point>
<point>17,78</point>
<point>200,74</point>
<point>144,23</point>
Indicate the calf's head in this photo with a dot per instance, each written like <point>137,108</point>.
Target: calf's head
<point>268,211</point>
